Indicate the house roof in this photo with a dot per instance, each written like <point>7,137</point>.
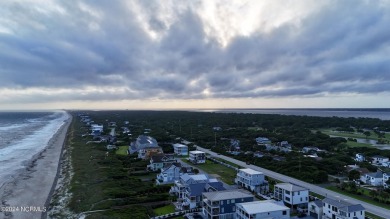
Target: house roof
<point>180,145</point>
<point>215,186</point>
<point>379,156</point>
<point>227,194</point>
<point>343,205</point>
<point>250,171</point>
<point>376,175</point>
<point>257,207</point>
<point>353,208</point>
<point>290,187</point>
<point>157,158</point>
<point>198,177</point>
<point>196,152</point>
<point>318,203</point>
<point>171,165</point>
<point>196,189</point>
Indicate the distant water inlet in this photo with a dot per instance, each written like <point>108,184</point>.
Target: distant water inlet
<point>22,136</point>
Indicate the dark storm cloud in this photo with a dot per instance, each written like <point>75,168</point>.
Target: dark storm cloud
<point>342,48</point>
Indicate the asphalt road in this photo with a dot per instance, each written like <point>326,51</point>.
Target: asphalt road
<point>313,188</point>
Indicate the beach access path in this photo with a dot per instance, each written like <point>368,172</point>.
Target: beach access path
<point>382,212</point>
<point>28,194</point>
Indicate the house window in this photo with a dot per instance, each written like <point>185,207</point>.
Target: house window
<point>227,202</point>
<point>287,198</point>
<point>234,208</point>
<point>299,193</point>
<point>288,192</point>
<point>222,210</point>
<point>233,201</point>
<point>284,212</point>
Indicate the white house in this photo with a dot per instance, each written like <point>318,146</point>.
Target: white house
<point>146,146</point>
<point>96,129</point>
<point>180,149</point>
<point>386,164</point>
<point>315,209</point>
<point>250,179</point>
<point>263,140</point>
<point>340,209</point>
<point>169,174</point>
<point>292,195</point>
<point>378,160</point>
<point>158,161</point>
<point>262,209</point>
<point>374,179</point>
<point>359,158</point>
<point>197,157</point>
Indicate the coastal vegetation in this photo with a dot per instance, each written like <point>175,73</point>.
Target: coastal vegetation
<point>119,184</point>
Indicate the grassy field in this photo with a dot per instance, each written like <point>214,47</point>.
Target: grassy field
<point>227,175</point>
<point>164,210</point>
<point>359,197</point>
<point>122,150</point>
<point>373,136</point>
<point>357,144</point>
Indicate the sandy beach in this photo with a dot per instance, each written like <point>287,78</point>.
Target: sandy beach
<point>28,194</point>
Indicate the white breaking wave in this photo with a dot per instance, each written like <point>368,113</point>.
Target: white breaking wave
<point>14,156</point>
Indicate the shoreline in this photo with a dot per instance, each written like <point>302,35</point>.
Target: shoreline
<point>28,194</point>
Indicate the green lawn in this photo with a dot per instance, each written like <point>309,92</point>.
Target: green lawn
<point>122,150</point>
<point>373,216</point>
<point>359,197</point>
<point>164,210</point>
<point>373,136</point>
<point>357,144</point>
<point>226,174</point>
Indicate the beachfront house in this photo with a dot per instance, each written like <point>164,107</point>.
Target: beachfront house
<point>251,179</point>
<point>169,174</point>
<point>373,178</point>
<point>378,159</point>
<point>193,195</point>
<point>158,161</point>
<point>197,157</point>
<point>222,204</point>
<point>146,146</point>
<point>342,209</point>
<point>189,189</point>
<point>261,210</point>
<point>180,149</point>
<point>292,195</point>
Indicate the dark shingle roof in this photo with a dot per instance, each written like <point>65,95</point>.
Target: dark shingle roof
<point>344,206</point>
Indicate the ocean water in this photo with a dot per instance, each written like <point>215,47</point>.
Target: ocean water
<point>22,136</point>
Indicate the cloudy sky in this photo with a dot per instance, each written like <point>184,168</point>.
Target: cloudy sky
<point>194,54</point>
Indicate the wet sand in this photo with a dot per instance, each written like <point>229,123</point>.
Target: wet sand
<point>28,194</point>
